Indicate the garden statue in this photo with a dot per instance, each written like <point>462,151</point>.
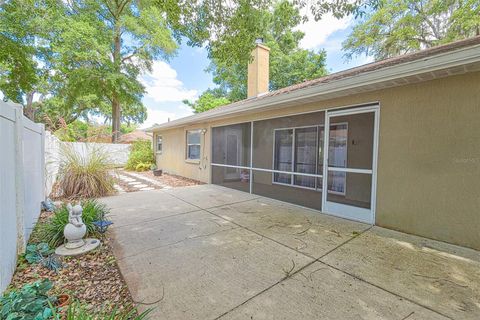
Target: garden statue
<point>74,232</point>
<point>75,229</point>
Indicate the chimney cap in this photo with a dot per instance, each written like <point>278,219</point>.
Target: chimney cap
<point>259,41</point>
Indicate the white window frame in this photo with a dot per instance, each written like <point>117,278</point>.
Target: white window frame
<point>157,144</point>
<point>293,173</point>
<point>187,145</point>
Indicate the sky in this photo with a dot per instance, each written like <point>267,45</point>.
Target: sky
<point>184,76</point>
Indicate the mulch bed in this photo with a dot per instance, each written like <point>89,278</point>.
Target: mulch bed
<point>93,279</point>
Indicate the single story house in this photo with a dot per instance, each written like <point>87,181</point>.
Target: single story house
<point>402,149</point>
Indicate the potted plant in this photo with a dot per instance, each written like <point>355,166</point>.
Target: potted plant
<point>156,172</point>
<point>63,300</point>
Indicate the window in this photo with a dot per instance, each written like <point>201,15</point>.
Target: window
<point>193,144</point>
<point>282,159</point>
<point>337,157</point>
<point>159,144</point>
<point>296,150</point>
<point>299,150</point>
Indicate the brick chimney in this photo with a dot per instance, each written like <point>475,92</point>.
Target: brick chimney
<point>258,70</point>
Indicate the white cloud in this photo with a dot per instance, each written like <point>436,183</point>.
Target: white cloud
<point>160,116</point>
<point>162,84</point>
<point>317,32</point>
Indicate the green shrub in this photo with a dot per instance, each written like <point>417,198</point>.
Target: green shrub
<point>51,231</point>
<point>83,177</point>
<point>35,252</point>
<point>143,166</point>
<point>141,156</point>
<point>31,302</point>
<point>78,312</point>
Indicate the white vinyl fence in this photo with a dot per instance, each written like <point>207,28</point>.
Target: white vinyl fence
<point>21,184</point>
<point>117,154</point>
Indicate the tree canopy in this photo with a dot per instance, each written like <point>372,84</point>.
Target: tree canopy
<point>80,58</point>
<point>289,64</point>
<point>208,100</point>
<point>397,27</point>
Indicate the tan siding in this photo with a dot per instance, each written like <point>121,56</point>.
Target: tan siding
<point>428,162</point>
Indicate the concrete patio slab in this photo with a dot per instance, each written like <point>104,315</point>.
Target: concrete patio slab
<point>204,277</point>
<point>321,292</point>
<point>142,237</point>
<point>135,207</point>
<point>209,196</point>
<point>299,228</point>
<point>440,276</point>
<point>238,259</point>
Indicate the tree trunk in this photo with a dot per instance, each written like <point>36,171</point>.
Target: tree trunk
<point>116,114</point>
<point>116,108</point>
<point>28,110</point>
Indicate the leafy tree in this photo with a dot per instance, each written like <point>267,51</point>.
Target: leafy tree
<point>84,57</point>
<point>396,27</point>
<point>289,64</point>
<point>206,101</point>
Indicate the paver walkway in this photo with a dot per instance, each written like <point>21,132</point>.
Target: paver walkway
<point>137,182</point>
<point>207,252</point>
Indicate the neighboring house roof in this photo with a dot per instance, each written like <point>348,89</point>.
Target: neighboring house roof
<point>441,61</point>
<point>134,136</point>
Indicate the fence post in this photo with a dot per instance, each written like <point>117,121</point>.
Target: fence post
<point>19,178</point>
<point>43,166</point>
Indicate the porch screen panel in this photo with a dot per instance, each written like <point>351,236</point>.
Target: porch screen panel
<point>231,156</point>
<point>234,178</point>
<point>288,151</point>
<point>262,185</point>
<point>305,155</point>
<point>350,148</point>
<point>263,135</point>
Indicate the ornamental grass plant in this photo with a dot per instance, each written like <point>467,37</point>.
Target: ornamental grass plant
<point>84,175</point>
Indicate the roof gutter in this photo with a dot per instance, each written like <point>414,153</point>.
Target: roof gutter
<point>463,56</point>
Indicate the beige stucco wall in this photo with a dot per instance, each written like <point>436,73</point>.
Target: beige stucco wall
<point>428,161</point>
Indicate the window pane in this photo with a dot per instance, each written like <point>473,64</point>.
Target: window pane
<point>305,155</point>
<point>159,143</point>
<point>336,182</point>
<point>283,155</point>
<point>193,137</point>
<point>231,145</point>
<point>337,149</point>
<point>194,151</point>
